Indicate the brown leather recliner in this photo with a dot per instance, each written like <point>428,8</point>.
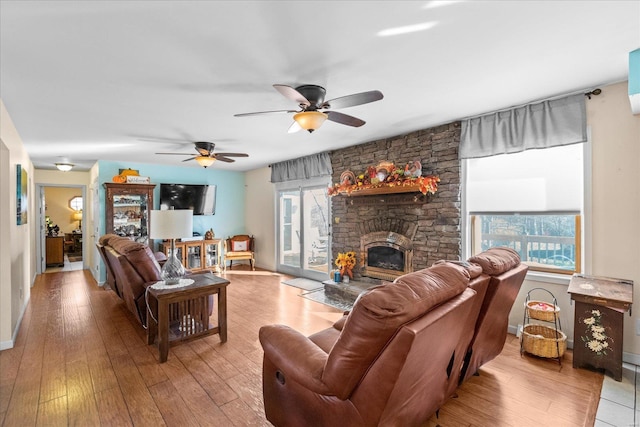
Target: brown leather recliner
<point>490,332</point>
<point>391,361</point>
<point>110,282</point>
<point>134,267</point>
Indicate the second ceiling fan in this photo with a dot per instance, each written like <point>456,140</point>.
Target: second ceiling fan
<point>206,155</point>
<point>314,110</point>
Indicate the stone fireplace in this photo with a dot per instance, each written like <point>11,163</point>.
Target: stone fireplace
<point>394,234</point>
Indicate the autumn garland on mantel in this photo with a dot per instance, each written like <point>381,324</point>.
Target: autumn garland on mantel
<point>386,175</point>
<point>425,184</point>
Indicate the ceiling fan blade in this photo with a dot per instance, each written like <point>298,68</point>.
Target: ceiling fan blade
<point>203,151</point>
<point>295,127</point>
<point>178,154</point>
<point>224,159</point>
<point>190,158</point>
<point>355,99</point>
<point>292,94</point>
<point>264,112</point>
<point>217,155</point>
<point>344,119</point>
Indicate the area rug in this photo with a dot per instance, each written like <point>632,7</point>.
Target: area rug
<point>75,258</point>
<point>319,296</point>
<point>305,284</point>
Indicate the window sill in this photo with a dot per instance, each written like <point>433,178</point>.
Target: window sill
<point>539,276</point>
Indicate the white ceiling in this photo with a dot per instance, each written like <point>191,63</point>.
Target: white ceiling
<point>116,80</point>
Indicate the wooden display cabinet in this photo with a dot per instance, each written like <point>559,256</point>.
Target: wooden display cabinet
<point>55,251</point>
<point>127,210</point>
<point>197,255</point>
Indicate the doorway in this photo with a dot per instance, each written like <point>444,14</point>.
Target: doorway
<point>61,233</point>
<point>303,237</point>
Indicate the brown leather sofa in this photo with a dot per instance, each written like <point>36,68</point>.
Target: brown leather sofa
<point>394,359</point>
<point>503,266</point>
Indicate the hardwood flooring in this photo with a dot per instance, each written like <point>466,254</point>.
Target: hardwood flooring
<point>80,359</point>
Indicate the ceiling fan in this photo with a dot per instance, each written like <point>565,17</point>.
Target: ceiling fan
<point>314,110</point>
<point>206,155</point>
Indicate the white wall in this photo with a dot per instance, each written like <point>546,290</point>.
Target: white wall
<point>17,242</point>
<point>613,233</point>
<point>260,215</point>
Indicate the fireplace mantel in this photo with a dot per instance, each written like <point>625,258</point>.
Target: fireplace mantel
<point>424,185</point>
<point>354,191</point>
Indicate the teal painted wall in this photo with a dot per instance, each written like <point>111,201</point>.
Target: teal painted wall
<point>229,218</point>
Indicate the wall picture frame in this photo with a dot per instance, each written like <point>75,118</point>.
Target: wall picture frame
<point>22,199</point>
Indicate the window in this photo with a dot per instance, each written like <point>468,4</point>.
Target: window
<point>76,203</point>
<point>531,202</point>
<point>545,242</point>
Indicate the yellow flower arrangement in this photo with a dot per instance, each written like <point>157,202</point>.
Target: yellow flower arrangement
<point>346,261</point>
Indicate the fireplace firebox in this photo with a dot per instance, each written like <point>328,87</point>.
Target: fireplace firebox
<point>386,255</point>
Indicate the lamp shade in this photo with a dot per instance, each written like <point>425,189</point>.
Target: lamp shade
<point>77,215</point>
<point>171,224</point>
<point>205,160</point>
<point>310,120</point>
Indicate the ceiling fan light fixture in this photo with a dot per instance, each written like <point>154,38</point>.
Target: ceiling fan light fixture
<point>64,167</point>
<point>310,120</point>
<point>205,161</point>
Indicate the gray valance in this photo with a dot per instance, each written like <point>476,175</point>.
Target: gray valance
<point>546,124</point>
<point>312,166</point>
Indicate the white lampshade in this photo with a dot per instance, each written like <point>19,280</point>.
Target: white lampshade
<point>171,224</point>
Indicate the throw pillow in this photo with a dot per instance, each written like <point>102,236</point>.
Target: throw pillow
<point>239,245</point>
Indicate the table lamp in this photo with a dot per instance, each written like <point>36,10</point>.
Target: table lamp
<point>77,215</point>
<point>171,224</point>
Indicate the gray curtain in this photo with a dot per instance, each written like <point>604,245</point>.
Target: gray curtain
<point>312,166</point>
<point>546,124</point>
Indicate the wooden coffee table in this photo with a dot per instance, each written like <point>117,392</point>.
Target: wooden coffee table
<point>183,312</point>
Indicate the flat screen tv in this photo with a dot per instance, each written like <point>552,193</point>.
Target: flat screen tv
<point>199,198</point>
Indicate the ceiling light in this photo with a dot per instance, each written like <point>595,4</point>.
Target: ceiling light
<point>205,161</point>
<point>440,3</point>
<point>310,120</point>
<point>406,29</point>
<point>64,167</point>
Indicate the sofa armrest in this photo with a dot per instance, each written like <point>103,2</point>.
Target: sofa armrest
<point>297,357</point>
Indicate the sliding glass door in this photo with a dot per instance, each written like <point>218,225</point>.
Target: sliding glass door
<point>303,229</point>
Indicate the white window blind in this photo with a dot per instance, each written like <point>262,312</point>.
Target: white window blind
<point>545,180</point>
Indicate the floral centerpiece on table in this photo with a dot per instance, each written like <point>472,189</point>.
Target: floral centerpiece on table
<point>346,261</point>
<point>386,174</point>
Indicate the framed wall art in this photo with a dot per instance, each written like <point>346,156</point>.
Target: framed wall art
<point>22,199</point>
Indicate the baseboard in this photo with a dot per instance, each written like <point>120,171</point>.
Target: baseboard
<point>5,345</point>
<point>632,358</point>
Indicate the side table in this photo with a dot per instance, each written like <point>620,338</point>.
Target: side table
<point>598,321</point>
<point>183,312</point>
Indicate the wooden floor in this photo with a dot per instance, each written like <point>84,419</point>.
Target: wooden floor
<point>81,359</point>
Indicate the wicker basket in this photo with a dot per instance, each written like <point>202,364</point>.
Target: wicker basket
<point>535,310</point>
<point>541,340</point>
